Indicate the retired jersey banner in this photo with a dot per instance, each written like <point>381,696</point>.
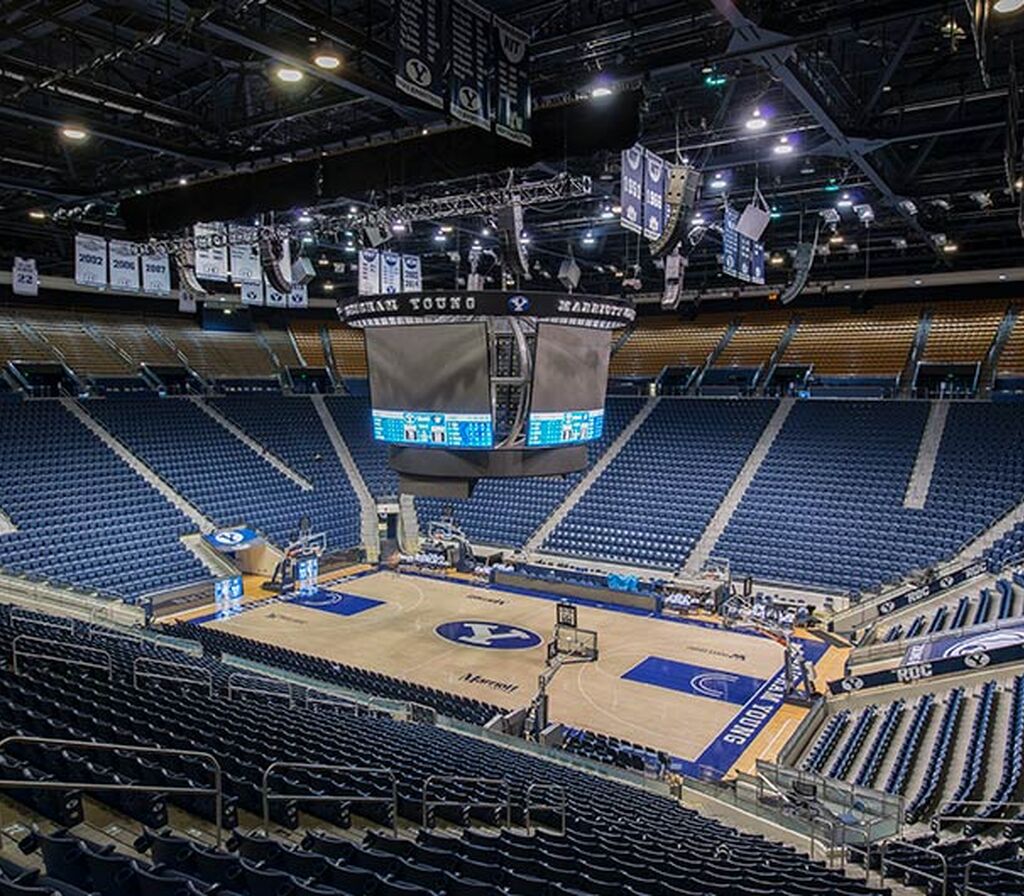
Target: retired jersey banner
<point>369,272</point>
<point>186,302</point>
<point>25,277</point>
<point>299,296</point>
<point>124,266</point>
<point>244,255</point>
<point>211,251</point>
<point>469,80</point>
<point>412,273</point>
<point>419,60</point>
<point>512,82</point>
<point>632,189</point>
<point>655,175</point>
<point>156,274</point>
<point>252,293</point>
<point>90,260</point>
<point>390,273</point>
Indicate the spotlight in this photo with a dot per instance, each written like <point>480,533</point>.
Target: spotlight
<point>323,261</point>
<point>328,286</point>
<point>918,282</point>
<point>486,231</point>
<point>776,260</point>
<point>439,237</point>
<point>424,131</point>
<point>350,247</point>
<point>446,228</point>
<point>836,239</point>
<point>73,132</point>
<point>1005,7</point>
<point>783,147</point>
<point>718,182</point>
<point>950,248</point>
<point>844,201</point>
<point>288,75</point>
<point>305,218</point>
<point>398,227</point>
<point>616,209</point>
<point>607,213</point>
<point>37,214</point>
<point>352,209</point>
<point>697,219</point>
<point>1002,276</point>
<point>182,181</point>
<point>327,60</point>
<point>601,87</point>
<point>756,122</point>
<point>525,239</point>
<point>588,238</point>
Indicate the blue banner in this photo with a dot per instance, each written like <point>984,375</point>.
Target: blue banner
<point>236,539</point>
<point>631,196</point>
<point>742,258</point>
<point>963,643</point>
<point>655,177</point>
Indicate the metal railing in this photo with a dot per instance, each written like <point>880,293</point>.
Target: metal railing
<point>216,791</point>
<point>19,654</point>
<point>21,616</point>
<point>974,863</point>
<point>204,679</point>
<point>943,881</point>
<point>429,804</point>
<point>559,807</point>
<point>940,818</point>
<point>271,797</point>
<point>234,688</point>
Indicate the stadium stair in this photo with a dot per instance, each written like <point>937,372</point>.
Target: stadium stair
<point>769,372</point>
<point>7,526</point>
<point>706,545</point>
<point>202,523</point>
<point>908,375</point>
<point>247,440</point>
<point>367,506</point>
<point>987,375</point>
<point>538,538</point>
<point>927,454</point>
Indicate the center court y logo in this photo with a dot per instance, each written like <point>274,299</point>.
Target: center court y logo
<point>490,635</point>
<point>518,304</point>
<point>230,536</point>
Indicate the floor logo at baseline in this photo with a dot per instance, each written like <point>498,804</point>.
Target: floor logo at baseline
<point>489,635</point>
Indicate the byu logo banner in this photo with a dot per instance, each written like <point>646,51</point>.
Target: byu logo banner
<point>299,297</point>
<point>412,274</point>
<point>156,274</point>
<point>419,59</point>
<point>369,272</point>
<point>654,195</point>
<point>124,266</point>
<point>390,273</point>
<point>488,635</point>
<point>469,81</point>
<point>632,188</point>
<point>512,73</point>
<point>273,298</point>
<point>252,293</point>
<point>90,260</point>
<point>25,277</point>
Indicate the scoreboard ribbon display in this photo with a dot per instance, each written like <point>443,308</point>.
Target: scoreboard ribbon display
<point>430,429</point>
<point>564,428</point>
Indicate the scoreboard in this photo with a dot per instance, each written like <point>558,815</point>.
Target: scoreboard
<point>434,430</point>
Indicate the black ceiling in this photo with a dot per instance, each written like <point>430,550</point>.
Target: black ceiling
<point>889,99</point>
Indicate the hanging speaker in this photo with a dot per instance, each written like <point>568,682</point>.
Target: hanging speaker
<point>510,231</point>
<point>275,260</point>
<point>680,196</point>
<point>569,274</point>
<point>753,222</point>
<point>185,261</point>
<point>802,262</point>
<point>303,272</point>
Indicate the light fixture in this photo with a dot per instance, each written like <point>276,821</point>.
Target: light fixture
<point>397,227</point>
<point>305,218</point>
<point>836,239</point>
<point>846,286</point>
<point>446,228</point>
<point>601,87</point>
<point>138,191</point>
<point>718,182</point>
<point>714,78</point>
<point>74,132</point>
<point>775,213</point>
<point>525,238</point>
<point>950,248</point>
<point>307,240</point>
<point>588,238</point>
<point>844,201</point>
<point>607,213</point>
<point>37,214</point>
<point>352,209</point>
<point>327,60</point>
<point>476,245</point>
<point>1005,7</point>
<point>616,209</point>
<point>424,131</point>
<point>439,237</point>
<point>288,75</point>
<point>1002,276</point>
<point>486,231</point>
<point>776,260</point>
<point>350,247</point>
<point>182,181</point>
<point>783,147</point>
<point>323,261</point>
<point>756,122</point>
<point>328,286</point>
<point>697,219</point>
<point>887,88</point>
<point>918,282</point>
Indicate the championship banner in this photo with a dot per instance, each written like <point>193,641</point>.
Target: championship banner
<point>156,274</point>
<point>512,76</point>
<point>655,177</point>
<point>273,298</point>
<point>632,188</point>
<point>211,251</point>
<point>299,296</point>
<point>244,255</point>
<point>369,272</point>
<point>390,273</point>
<point>90,260</point>
<point>412,273</point>
<point>469,82</point>
<point>742,257</point>
<point>25,277</point>
<point>124,266</point>
<point>419,56</point>
<point>252,293</point>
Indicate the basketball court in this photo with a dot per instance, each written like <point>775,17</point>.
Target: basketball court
<point>685,686</point>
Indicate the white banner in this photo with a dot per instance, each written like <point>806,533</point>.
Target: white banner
<point>245,255</point>
<point>369,272</point>
<point>299,297</point>
<point>412,273</point>
<point>90,260</point>
<point>252,293</point>
<point>124,266</point>
<point>25,277</point>
<point>186,302</point>
<point>390,273</point>
<point>211,262</point>
<point>274,299</point>
<point>156,274</point>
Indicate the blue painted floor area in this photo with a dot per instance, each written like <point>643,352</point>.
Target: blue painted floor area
<point>715,684</point>
<point>337,602</point>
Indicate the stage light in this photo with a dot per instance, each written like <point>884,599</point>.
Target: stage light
<point>1002,276</point>
<point>697,219</point>
<point>439,237</point>
<point>73,132</point>
<point>718,182</point>
<point>1005,7</point>
<point>477,245</point>
<point>588,238</point>
<point>836,239</point>
<point>446,228</point>
<point>918,282</point>
<point>37,214</point>
<point>485,232</point>
<point>601,87</point>
<point>616,209</point>
<point>353,209</point>
<point>424,132</point>
<point>844,201</point>
<point>182,181</point>
<point>775,213</point>
<point>350,247</point>
<point>327,60</point>
<point>713,78</point>
<point>138,191</point>
<point>323,261</point>
<point>525,238</point>
<point>607,213</point>
<point>328,286</point>
<point>783,147</point>
<point>776,260</point>
<point>756,122</point>
<point>950,248</point>
<point>397,227</point>
<point>307,240</point>
<point>305,218</point>
<point>288,75</point>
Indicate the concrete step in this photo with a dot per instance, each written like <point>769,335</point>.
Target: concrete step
<point>927,454</point>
